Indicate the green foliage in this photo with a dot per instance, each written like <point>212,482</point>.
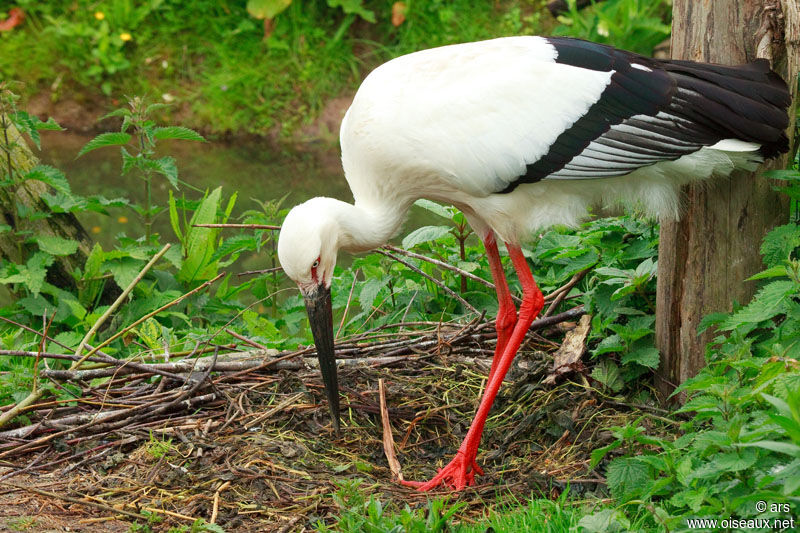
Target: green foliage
<point>358,513</point>
<point>136,118</point>
<point>635,25</point>
<point>742,442</point>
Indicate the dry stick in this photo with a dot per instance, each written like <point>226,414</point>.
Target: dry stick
<point>388,440</point>
<point>99,322</point>
<point>562,291</point>
<point>262,271</point>
<point>347,307</point>
<point>54,341</point>
<point>36,393</point>
<point>243,226</point>
<point>72,375</point>
<point>438,283</point>
<point>215,509</point>
<point>70,499</point>
<point>441,264</point>
<point>244,339</point>
<point>152,314</point>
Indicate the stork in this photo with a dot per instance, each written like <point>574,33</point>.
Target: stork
<point>521,133</point>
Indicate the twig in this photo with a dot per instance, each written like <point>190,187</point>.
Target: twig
<point>388,439</point>
<point>262,271</point>
<point>121,298</point>
<point>347,307</point>
<point>79,501</point>
<point>36,392</point>
<point>243,226</point>
<point>152,314</point>
<point>442,264</point>
<point>562,291</point>
<point>242,338</point>
<point>438,283</point>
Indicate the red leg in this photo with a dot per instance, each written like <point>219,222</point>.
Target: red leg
<point>460,472</point>
<point>506,310</point>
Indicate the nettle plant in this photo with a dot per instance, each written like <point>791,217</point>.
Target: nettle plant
<point>742,444</point>
<point>614,258</point>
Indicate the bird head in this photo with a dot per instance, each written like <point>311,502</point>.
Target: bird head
<point>307,249</point>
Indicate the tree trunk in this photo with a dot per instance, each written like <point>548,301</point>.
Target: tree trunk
<point>28,195</point>
<point>705,257</point>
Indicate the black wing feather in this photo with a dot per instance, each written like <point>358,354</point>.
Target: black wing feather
<point>654,110</point>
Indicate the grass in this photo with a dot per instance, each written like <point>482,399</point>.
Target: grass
<point>359,513</point>
<point>211,58</point>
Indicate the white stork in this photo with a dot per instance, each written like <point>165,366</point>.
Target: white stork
<point>521,133</point>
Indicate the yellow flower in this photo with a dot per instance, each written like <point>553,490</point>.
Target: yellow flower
<point>99,15</point>
<point>125,36</point>
<point>122,219</point>
<point>96,229</point>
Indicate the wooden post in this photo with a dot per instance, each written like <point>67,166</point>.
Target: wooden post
<point>705,257</point>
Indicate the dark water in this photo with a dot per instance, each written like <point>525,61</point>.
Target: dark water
<point>256,170</point>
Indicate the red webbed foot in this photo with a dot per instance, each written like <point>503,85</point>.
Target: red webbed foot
<point>457,475</point>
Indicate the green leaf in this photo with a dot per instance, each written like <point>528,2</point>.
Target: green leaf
<point>266,9</point>
<point>646,356</point>
<point>173,217</point>
<point>779,243</point>
<point>779,271</point>
<point>627,477</point>
<point>711,319</point>
<point>166,166</point>
<point>355,7</point>
<point>200,242</point>
<point>775,446</point>
<point>56,245</point>
<point>150,332</point>
<point>369,290</point>
<point>425,234</point>
<point>121,112</point>
<point>177,132</point>
<point>611,344</point>
<point>733,461</point>
<point>235,245</point>
<point>437,209</point>
<point>599,453</point>
<point>51,176</point>
<point>124,270</point>
<point>106,139</point>
<point>605,521</point>
<point>768,302</point>
<point>607,373</point>
<point>129,161</point>
<point>37,268</point>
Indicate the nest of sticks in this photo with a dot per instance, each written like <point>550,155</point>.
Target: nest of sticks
<point>243,438</point>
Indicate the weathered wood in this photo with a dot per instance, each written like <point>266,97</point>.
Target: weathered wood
<point>28,194</point>
<point>705,257</point>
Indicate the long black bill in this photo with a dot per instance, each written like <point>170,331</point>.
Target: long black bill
<point>320,317</point>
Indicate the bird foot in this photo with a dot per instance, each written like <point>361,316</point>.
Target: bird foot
<point>458,474</point>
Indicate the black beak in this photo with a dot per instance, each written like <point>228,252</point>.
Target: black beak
<point>320,317</point>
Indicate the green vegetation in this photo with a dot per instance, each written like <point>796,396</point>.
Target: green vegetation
<point>735,442</point>
<point>227,73</point>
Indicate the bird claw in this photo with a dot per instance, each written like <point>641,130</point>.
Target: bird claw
<point>457,475</point>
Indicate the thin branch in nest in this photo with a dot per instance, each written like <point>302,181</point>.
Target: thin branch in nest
<point>433,280</point>
<point>113,307</point>
<point>152,314</point>
<point>388,439</point>
<point>241,226</point>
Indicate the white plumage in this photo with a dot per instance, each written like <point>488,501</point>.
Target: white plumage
<point>521,133</point>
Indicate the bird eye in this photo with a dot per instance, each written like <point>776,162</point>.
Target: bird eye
<point>316,264</point>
